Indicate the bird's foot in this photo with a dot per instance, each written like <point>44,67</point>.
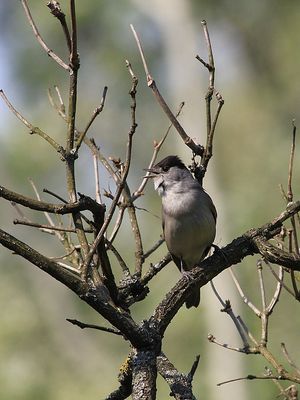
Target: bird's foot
<point>187,274</point>
<point>217,250</point>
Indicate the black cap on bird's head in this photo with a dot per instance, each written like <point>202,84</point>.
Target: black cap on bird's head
<point>165,164</point>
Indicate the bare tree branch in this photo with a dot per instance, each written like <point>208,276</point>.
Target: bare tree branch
<point>83,325</point>
<point>40,39</point>
<point>196,148</point>
<point>33,129</point>
<point>56,11</point>
<point>85,203</point>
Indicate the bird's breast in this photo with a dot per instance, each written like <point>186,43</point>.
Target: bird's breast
<point>189,226</point>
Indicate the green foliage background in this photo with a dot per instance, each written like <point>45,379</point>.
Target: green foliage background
<point>256,52</point>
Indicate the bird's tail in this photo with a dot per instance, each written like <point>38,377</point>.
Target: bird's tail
<point>194,299</point>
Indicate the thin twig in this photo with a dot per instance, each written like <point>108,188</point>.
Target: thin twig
<point>119,258</point>
<point>40,39</point>
<point>196,148</point>
<point>139,251</point>
<point>278,279</point>
<point>74,59</point>
<point>61,109</point>
<point>96,112</point>
<point>155,268</point>
<point>96,150</point>
<point>83,325</point>
<point>261,284</point>
<point>154,248</point>
<point>97,179</point>
<point>71,118</point>
<point>282,191</point>
<point>252,377</point>
<point>264,315</point>
<point>210,123</point>
<point>48,228</point>
<point>210,55</point>
<point>19,211</point>
<point>157,147</point>
<point>247,350</point>
<point>244,298</point>
<point>32,129</point>
<point>47,215</point>
<point>194,367</point>
<point>60,232</point>
<point>63,256</point>
<point>291,164</point>
<point>56,11</point>
<point>277,292</point>
<point>289,188</point>
<point>228,309</point>
<point>247,332</point>
<point>61,102</point>
<point>69,268</point>
<point>288,357</point>
<point>290,246</point>
<point>117,225</point>
<point>115,201</point>
<point>55,195</point>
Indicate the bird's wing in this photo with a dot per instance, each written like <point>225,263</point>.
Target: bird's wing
<point>212,208</point>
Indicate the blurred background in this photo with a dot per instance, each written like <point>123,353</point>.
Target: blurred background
<point>256,49</point>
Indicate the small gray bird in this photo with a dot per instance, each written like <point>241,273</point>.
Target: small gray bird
<point>188,216</point>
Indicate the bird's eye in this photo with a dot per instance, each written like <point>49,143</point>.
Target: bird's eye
<point>165,168</point>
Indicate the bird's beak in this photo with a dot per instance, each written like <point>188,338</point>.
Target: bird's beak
<point>152,173</point>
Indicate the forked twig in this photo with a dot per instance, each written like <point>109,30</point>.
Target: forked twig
<point>210,123</point>
<point>50,53</point>
<point>56,11</point>
<point>196,148</point>
<point>96,112</point>
<point>61,108</point>
<point>228,309</point>
<point>32,129</point>
<point>120,186</point>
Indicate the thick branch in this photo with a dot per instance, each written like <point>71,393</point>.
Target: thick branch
<point>125,379</point>
<point>277,256</point>
<point>232,254</point>
<point>85,203</point>
<point>180,384</point>
<point>97,297</point>
<point>51,267</point>
<point>144,374</point>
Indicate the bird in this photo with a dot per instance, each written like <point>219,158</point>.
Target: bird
<point>188,216</point>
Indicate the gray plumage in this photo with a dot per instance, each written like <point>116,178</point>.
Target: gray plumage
<point>188,216</point>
